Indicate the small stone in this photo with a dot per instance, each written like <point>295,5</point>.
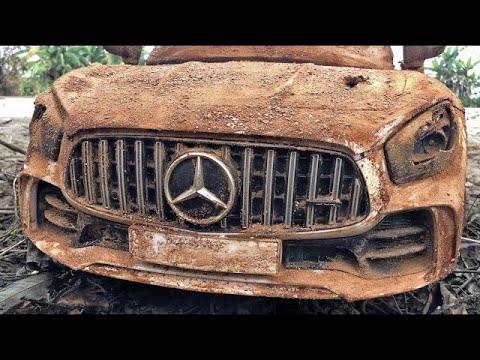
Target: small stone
<point>476,180</point>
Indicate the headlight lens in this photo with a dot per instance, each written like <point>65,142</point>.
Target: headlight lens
<point>424,147</point>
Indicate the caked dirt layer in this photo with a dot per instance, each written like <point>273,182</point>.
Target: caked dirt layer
<point>357,108</point>
<point>78,292</point>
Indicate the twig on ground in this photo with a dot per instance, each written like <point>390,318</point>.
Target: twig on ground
<point>67,291</point>
<point>471,240</point>
<point>12,253</point>
<point>15,198</point>
<point>7,233</point>
<point>11,247</point>
<point>471,207</point>
<point>12,147</point>
<point>416,298</point>
<point>12,277</point>
<point>97,285</point>
<point>396,304</point>
<point>428,303</point>
<point>468,281</point>
<point>10,231</point>
<point>467,271</point>
<point>363,307</point>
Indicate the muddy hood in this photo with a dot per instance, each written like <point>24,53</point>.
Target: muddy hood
<point>295,103</point>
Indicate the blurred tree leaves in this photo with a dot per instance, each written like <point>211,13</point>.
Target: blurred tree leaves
<point>29,70</point>
<point>12,66</point>
<point>44,64</point>
<point>458,75</point>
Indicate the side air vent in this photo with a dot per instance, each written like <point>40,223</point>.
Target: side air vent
<point>400,243</point>
<point>54,213</point>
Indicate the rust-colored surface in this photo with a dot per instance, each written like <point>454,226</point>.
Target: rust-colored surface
<point>129,54</point>
<point>346,109</point>
<point>316,284</point>
<point>288,101</point>
<point>370,57</point>
<point>163,247</point>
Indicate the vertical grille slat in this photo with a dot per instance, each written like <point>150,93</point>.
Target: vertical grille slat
<point>120,159</point>
<point>140,175</point>
<point>178,150</point>
<point>103,168</point>
<point>159,156</point>
<point>88,183</point>
<point>247,170</point>
<point>267,205</point>
<point>312,190</point>
<point>289,199</point>
<point>294,189</point>
<point>73,176</point>
<point>335,189</point>
<point>226,153</point>
<point>357,191</point>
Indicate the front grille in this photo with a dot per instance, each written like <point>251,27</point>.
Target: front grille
<point>280,187</point>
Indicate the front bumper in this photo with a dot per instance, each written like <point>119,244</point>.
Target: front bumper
<point>442,196</point>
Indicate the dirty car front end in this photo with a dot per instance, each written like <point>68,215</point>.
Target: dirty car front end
<point>268,179</point>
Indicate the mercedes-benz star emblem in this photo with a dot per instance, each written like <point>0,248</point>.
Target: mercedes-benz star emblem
<point>200,187</point>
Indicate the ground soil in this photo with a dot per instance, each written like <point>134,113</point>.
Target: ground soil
<point>77,292</point>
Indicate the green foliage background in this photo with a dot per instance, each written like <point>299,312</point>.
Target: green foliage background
<point>54,61</point>
<point>29,70</point>
<point>11,69</point>
<point>458,75</point>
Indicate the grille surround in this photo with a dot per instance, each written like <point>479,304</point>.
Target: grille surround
<point>278,194</point>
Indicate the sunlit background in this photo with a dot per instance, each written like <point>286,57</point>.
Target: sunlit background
<point>29,70</point>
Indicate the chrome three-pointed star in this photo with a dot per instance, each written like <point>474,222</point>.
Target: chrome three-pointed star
<point>198,189</point>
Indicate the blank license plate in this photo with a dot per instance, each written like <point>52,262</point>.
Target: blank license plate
<point>204,253</point>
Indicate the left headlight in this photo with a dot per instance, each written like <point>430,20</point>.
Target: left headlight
<point>424,147</point>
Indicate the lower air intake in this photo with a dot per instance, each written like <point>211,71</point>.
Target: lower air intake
<point>400,243</point>
<point>54,213</point>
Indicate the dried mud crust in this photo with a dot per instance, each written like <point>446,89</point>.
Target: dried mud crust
<point>78,293</point>
<point>283,101</point>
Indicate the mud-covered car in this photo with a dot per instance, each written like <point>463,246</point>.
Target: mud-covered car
<point>250,170</point>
